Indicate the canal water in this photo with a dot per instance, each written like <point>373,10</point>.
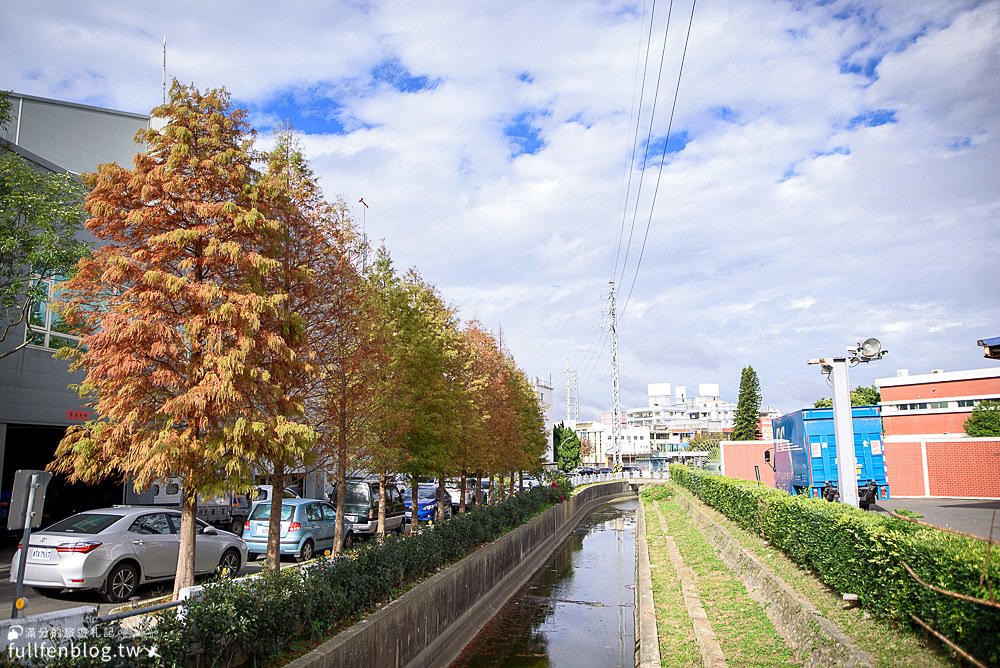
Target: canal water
<point>577,610</point>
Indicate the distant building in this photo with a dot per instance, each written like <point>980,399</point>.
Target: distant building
<point>36,404</point>
<point>543,391</point>
<point>926,449</point>
<point>596,437</point>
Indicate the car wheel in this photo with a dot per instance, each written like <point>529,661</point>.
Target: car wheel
<point>254,556</point>
<point>229,564</point>
<point>237,526</point>
<point>122,582</point>
<point>306,553</point>
<point>348,541</point>
<point>399,529</point>
<point>47,592</point>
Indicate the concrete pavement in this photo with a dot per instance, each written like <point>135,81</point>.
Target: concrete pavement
<point>972,516</point>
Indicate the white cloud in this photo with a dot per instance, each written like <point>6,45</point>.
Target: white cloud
<point>784,230</point>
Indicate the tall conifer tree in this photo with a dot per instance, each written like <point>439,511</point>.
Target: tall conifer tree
<point>746,422</point>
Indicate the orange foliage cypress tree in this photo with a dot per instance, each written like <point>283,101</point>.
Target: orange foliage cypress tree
<point>173,309</point>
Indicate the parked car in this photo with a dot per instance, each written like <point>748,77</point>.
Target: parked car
<point>307,527</point>
<point>427,503</point>
<point>585,470</point>
<point>361,506</point>
<point>530,482</point>
<point>484,492</point>
<point>116,550</point>
<point>605,469</point>
<point>453,487</point>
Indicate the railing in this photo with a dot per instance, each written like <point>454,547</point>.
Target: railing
<point>637,476</point>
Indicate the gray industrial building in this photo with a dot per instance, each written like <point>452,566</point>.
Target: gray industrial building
<point>36,404</point>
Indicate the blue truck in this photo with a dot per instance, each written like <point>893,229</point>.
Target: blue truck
<point>805,457</point>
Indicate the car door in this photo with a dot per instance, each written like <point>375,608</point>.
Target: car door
<point>320,528</point>
<point>330,519</point>
<point>393,507</point>
<point>155,543</point>
<point>207,549</point>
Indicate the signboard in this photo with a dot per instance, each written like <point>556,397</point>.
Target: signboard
<point>20,498</point>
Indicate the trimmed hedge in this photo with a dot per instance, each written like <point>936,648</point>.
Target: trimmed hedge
<point>257,620</point>
<point>859,552</point>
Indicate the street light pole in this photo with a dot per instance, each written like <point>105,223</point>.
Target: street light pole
<point>843,418</point>
<point>843,432</point>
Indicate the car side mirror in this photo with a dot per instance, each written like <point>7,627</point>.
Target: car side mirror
<point>210,531</point>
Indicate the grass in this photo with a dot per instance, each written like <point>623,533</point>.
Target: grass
<point>744,632</point>
<point>676,635</point>
<point>891,645</point>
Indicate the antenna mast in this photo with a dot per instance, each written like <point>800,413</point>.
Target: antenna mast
<point>616,408</point>
<point>572,397</point>
<point>164,69</point>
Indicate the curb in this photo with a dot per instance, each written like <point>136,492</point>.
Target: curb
<point>647,654</point>
<point>814,638</point>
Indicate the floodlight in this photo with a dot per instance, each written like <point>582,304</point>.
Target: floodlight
<point>871,348</point>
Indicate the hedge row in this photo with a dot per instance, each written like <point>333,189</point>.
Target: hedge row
<point>259,619</point>
<point>855,551</point>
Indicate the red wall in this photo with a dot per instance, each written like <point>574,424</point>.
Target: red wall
<point>904,469</point>
<point>741,456</point>
<point>935,423</point>
<point>960,468</point>
<point>941,390</point>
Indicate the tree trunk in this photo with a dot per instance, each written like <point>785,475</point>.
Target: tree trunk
<point>501,493</point>
<point>479,488</point>
<point>520,480</point>
<point>381,503</point>
<point>414,522</point>
<point>184,576</point>
<point>341,478</point>
<point>492,497</point>
<point>443,498</point>
<point>461,493</point>
<point>273,559</point>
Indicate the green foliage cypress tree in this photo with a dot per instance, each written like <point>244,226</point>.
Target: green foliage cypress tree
<point>745,423</point>
<point>567,448</point>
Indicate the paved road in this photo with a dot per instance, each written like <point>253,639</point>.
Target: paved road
<point>38,604</point>
<point>967,515</point>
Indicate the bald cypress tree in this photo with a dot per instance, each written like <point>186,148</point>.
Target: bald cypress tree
<point>746,422</point>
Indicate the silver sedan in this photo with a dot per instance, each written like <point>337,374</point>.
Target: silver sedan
<point>116,550</point>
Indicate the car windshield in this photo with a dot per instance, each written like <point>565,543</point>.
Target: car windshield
<point>426,492</point>
<point>85,523</point>
<point>357,498</point>
<point>263,512</point>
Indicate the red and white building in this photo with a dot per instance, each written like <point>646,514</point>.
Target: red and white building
<point>927,452</point>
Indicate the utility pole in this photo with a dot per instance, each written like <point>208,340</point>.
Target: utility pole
<point>616,408</point>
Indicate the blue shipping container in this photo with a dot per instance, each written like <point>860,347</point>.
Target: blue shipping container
<point>805,459</point>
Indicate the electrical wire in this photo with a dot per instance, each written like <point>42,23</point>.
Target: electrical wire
<point>649,136</point>
<point>637,112</point>
<point>663,156</point>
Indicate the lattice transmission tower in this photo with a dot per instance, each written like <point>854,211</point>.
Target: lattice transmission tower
<point>616,407</point>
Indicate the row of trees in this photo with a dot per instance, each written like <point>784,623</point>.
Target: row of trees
<point>234,324</point>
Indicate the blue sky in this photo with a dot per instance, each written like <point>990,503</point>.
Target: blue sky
<point>830,173</point>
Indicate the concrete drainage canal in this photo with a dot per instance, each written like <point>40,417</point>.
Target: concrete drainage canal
<point>577,610</point>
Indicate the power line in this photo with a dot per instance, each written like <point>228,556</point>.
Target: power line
<point>630,156</point>
<point>663,156</point>
<point>649,136</point>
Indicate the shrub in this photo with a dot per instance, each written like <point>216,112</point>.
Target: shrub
<point>856,551</point>
<point>260,619</point>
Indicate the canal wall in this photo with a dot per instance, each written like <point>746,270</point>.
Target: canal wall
<point>434,621</point>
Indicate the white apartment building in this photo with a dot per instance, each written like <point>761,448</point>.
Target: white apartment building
<point>634,443</point>
<point>543,392</point>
